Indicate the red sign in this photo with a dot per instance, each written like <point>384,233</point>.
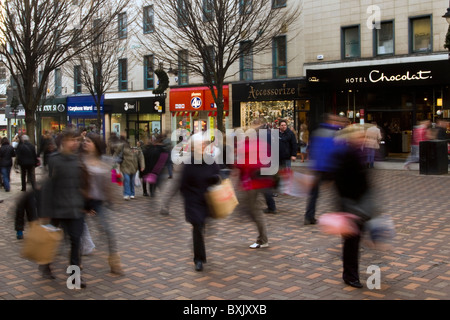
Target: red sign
<point>195,99</point>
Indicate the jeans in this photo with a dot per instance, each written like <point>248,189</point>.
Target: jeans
<point>257,215</point>
<point>370,156</point>
<point>104,219</point>
<point>128,184</point>
<point>6,176</point>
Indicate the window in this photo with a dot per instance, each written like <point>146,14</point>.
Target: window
<point>209,67</point>
<point>350,42</point>
<point>208,10</point>
<point>2,74</point>
<point>278,3</point>
<point>245,6</point>
<point>148,72</point>
<point>183,59</point>
<point>246,60</point>
<point>77,79</point>
<point>149,25</point>
<point>420,34</point>
<point>122,25</point>
<point>123,75</point>
<point>96,34</point>
<point>279,57</point>
<point>384,38</point>
<point>58,82</point>
<point>182,13</point>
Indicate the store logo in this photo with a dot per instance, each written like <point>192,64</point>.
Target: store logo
<point>128,106</point>
<point>61,107</point>
<point>375,76</point>
<point>196,102</point>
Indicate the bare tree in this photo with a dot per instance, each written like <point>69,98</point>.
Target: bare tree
<point>212,31</point>
<point>96,68</point>
<point>42,35</point>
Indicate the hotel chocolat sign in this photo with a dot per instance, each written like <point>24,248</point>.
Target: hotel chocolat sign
<point>406,74</point>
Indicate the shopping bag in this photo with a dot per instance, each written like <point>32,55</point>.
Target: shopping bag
<point>87,245</point>
<point>150,178</point>
<point>221,199</point>
<point>339,223</point>
<point>41,243</point>
<point>137,180</point>
<point>295,184</point>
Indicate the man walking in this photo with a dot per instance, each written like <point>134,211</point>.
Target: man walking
<point>287,154</point>
<point>27,160</point>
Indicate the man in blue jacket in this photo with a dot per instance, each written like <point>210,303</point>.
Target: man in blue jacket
<point>322,146</point>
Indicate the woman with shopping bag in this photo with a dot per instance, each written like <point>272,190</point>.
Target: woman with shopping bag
<point>195,181</point>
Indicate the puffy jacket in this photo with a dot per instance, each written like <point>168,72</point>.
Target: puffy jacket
<point>322,146</point>
<point>6,154</point>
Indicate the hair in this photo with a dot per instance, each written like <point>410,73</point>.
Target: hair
<point>281,121</point>
<point>24,138</point>
<point>100,146</point>
<point>5,140</point>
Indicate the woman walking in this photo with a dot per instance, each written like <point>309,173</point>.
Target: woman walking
<point>6,154</point>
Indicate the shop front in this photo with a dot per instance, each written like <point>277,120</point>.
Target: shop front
<point>193,110</point>
<point>16,121</point>
<point>51,115</point>
<point>396,96</point>
<point>136,117</point>
<point>82,113</point>
<point>271,101</point>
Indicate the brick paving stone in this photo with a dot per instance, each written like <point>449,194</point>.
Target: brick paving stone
<point>300,264</point>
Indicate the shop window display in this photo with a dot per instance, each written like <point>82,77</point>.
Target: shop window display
<point>270,111</point>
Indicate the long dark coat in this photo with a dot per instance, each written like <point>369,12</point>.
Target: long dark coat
<point>195,180</point>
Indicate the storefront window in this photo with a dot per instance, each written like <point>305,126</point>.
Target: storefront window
<point>52,124</point>
<point>385,38</point>
<point>271,111</point>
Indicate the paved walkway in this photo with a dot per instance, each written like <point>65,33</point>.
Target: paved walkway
<point>301,263</point>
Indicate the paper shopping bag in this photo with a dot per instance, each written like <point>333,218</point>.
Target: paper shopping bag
<point>221,199</point>
<point>41,243</point>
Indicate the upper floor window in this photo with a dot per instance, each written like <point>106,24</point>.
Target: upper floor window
<point>183,60</point>
<point>245,6</point>
<point>420,34</point>
<point>2,74</point>
<point>123,75</point>
<point>209,67</point>
<point>182,12</point>
<point>278,3</point>
<point>279,57</point>
<point>384,38</point>
<point>149,72</point>
<point>246,61</point>
<point>58,82</point>
<point>122,25</point>
<point>77,79</point>
<point>350,42</point>
<point>208,10</point>
<point>96,31</point>
<point>149,24</point>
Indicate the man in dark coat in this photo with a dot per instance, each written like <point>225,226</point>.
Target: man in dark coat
<point>27,160</point>
<point>6,154</point>
<point>195,180</point>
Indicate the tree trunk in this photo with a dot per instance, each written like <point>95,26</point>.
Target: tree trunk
<point>30,123</point>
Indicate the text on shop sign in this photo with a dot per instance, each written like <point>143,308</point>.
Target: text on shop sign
<point>375,76</point>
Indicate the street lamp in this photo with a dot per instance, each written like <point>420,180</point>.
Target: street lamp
<point>447,14</point>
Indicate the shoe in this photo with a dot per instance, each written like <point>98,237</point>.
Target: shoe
<point>19,235</point>
<point>131,197</point>
<point>126,198</point>
<point>270,211</point>
<point>115,265</point>
<point>275,195</point>
<point>354,284</point>
<point>310,221</point>
<point>23,190</point>
<point>198,266</point>
<point>257,245</point>
<point>46,271</point>
<point>145,194</point>
<point>164,212</point>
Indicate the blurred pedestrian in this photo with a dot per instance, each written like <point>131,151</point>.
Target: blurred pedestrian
<point>322,146</point>
<point>372,143</point>
<point>355,195</point>
<point>15,143</point>
<point>156,156</point>
<point>28,205</point>
<point>47,146</point>
<point>195,180</point>
<point>63,194</point>
<point>100,193</point>
<point>132,161</point>
<point>6,154</point>
<point>304,141</point>
<point>420,133</point>
<point>254,183</point>
<point>27,159</point>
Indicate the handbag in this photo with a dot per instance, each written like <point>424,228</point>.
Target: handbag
<point>41,243</point>
<point>221,199</point>
<point>152,177</point>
